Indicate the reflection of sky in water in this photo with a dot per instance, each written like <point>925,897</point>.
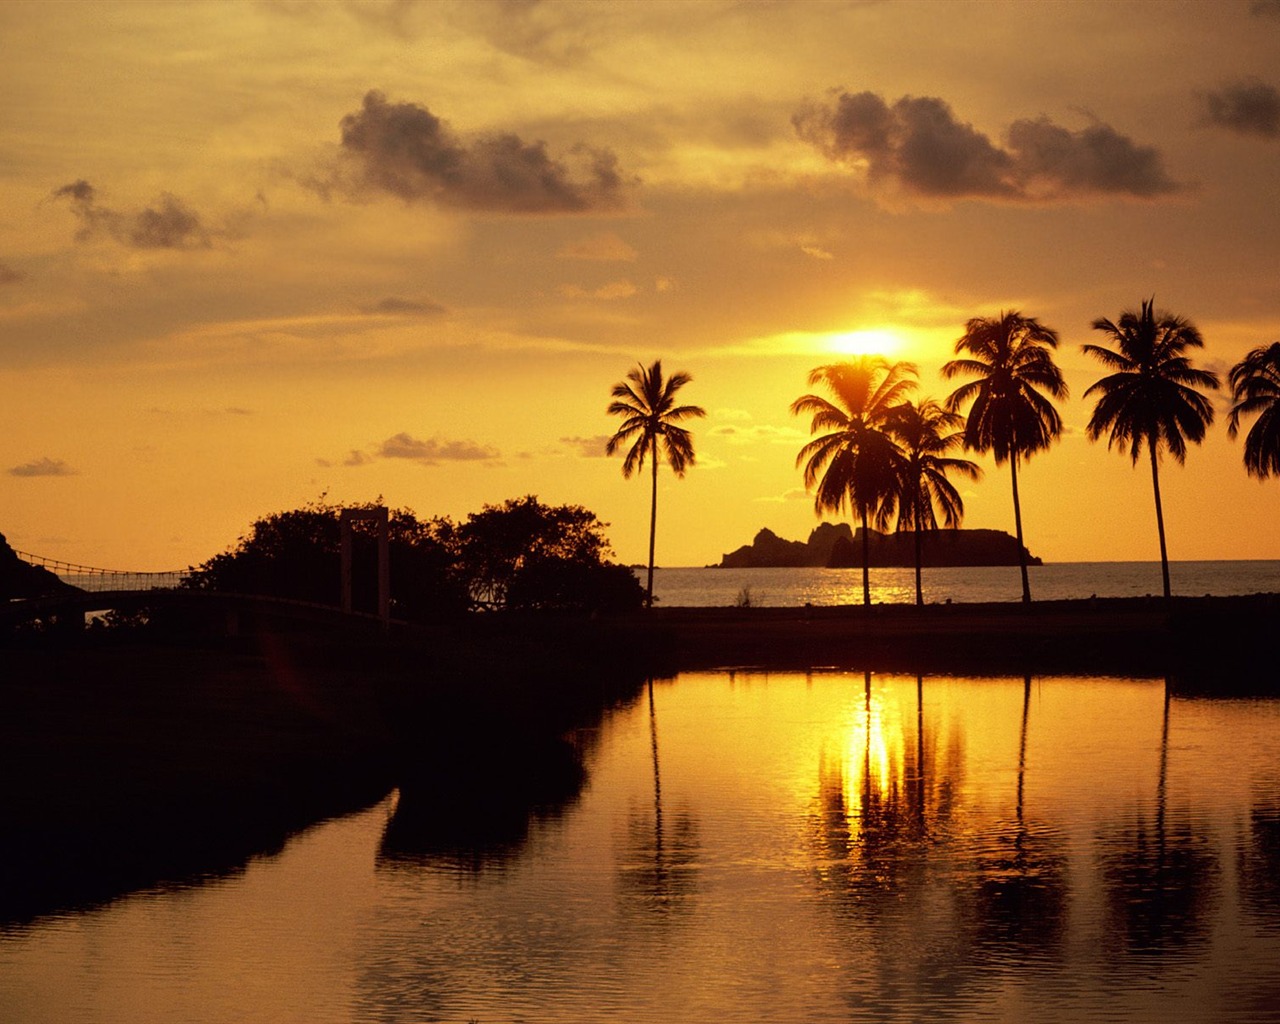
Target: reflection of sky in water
<point>765,847</point>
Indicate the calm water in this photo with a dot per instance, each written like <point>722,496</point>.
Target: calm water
<point>761,848</point>
<point>682,588</point>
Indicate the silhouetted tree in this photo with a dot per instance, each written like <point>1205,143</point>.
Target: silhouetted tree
<point>855,462</point>
<point>518,555</point>
<point>1011,411</point>
<point>927,432</point>
<point>295,554</point>
<point>1150,399</point>
<point>524,555</point>
<point>1255,390</point>
<point>651,422</point>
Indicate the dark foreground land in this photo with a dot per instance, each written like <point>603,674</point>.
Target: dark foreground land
<point>1221,644</point>
<point>132,759</point>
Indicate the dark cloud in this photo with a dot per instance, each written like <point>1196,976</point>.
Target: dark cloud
<point>1265,8</point>
<point>10,276</point>
<point>587,447</point>
<point>1249,108</point>
<point>167,224</point>
<point>43,467</point>
<point>917,146</point>
<point>404,150</point>
<point>435,450</point>
<point>393,305</point>
<point>1094,160</point>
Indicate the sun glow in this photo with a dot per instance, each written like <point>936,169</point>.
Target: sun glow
<point>869,342</point>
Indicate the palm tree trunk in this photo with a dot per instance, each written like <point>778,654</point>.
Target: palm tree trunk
<point>866,558</point>
<point>1164,554</point>
<point>653,523</point>
<point>1017,525</point>
<point>919,546</point>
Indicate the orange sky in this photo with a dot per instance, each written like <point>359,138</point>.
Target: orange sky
<point>253,253</point>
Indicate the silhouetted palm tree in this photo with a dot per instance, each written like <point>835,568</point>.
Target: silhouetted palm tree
<point>647,402</point>
<point>1255,389</point>
<point>1012,413</point>
<point>856,462</point>
<point>1150,400</point>
<point>926,432</point>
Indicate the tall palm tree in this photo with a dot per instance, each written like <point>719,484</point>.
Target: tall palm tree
<point>1255,389</point>
<point>927,432</point>
<point>855,463</point>
<point>1150,399</point>
<point>1012,413</point>
<point>651,423</point>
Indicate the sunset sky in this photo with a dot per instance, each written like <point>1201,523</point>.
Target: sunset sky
<point>256,253</point>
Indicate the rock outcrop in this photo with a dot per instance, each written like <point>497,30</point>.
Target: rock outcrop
<point>836,546</point>
<point>22,579</point>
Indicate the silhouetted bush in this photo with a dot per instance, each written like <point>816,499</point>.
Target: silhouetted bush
<point>297,555</point>
<point>521,555</point>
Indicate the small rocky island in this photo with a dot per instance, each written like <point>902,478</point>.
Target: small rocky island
<point>837,546</point>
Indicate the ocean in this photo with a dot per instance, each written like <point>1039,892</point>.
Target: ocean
<point>709,587</point>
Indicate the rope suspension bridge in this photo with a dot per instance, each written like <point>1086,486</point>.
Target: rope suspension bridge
<point>97,580</point>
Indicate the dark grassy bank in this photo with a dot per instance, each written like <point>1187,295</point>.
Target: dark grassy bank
<point>1213,644</point>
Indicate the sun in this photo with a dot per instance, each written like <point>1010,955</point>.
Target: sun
<point>868,342</point>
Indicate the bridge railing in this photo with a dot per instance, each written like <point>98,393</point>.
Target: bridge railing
<point>97,580</point>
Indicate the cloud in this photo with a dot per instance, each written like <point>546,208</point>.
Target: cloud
<point>587,447</point>
<point>229,410</point>
<point>43,467</point>
<point>395,306</point>
<point>1265,8</point>
<point>794,494</point>
<point>758,433</point>
<point>404,150</point>
<point>919,148</point>
<point>1247,107</point>
<point>435,450</point>
<point>355,457</point>
<point>168,224</point>
<point>603,248</point>
<point>612,290</point>
<point>10,276</point>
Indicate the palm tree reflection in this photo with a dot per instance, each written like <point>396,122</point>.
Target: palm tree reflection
<point>658,871</point>
<point>944,895</point>
<point>1021,894</point>
<point>1259,864</point>
<point>879,842</point>
<point>1161,881</point>
<point>870,834</point>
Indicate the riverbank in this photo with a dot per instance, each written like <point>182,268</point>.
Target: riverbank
<point>1210,642</point>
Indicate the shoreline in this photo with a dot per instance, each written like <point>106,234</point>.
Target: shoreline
<point>1198,639</point>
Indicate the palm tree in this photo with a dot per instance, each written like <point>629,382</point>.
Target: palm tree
<point>1151,399</point>
<point>927,432</point>
<point>647,402</point>
<point>1255,388</point>
<point>1012,413</point>
<point>856,462</point>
